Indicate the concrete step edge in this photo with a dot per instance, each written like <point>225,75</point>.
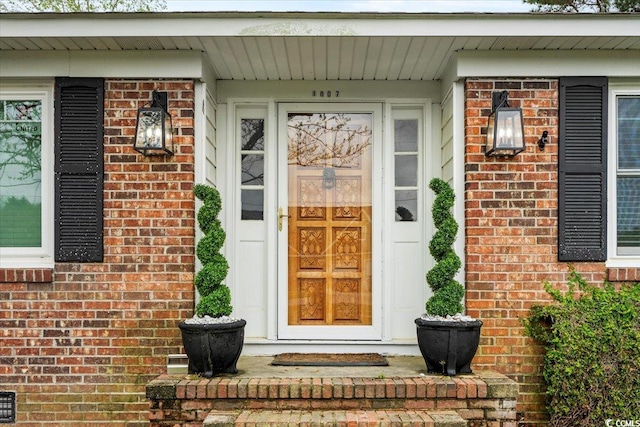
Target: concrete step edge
<point>335,417</point>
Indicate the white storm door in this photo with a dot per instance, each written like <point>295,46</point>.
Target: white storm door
<point>329,236</point>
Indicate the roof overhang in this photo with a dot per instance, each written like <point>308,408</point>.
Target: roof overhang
<point>315,46</point>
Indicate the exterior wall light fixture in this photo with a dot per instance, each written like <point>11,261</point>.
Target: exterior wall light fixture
<point>505,132</point>
<point>154,128</point>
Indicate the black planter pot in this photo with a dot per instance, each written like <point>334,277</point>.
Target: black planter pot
<point>213,348</point>
<point>448,346</point>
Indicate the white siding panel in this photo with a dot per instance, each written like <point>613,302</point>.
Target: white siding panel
<point>398,59</point>
<point>84,44</point>
<point>347,47</point>
<point>109,41</point>
<point>447,132</point>
<point>424,58</point>
<point>179,42</point>
<point>486,43</point>
<point>210,142</point>
<point>569,42</point>
<point>253,53</point>
<point>359,57</point>
<point>472,43</point>
<point>266,54</point>
<point>220,67</point>
<point>333,60</point>
<point>58,45</point>
<point>438,61</point>
<point>373,53</point>
<point>280,53</point>
<point>228,57</point>
<point>319,55</point>
<point>242,57</point>
<point>629,43</point>
<point>306,58</point>
<point>413,55</point>
<point>386,53</point>
<point>41,43</point>
<point>99,44</point>
<point>293,57</point>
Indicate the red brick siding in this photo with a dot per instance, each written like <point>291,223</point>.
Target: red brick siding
<point>80,342</point>
<point>511,233</point>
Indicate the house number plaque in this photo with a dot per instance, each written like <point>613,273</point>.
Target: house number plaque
<point>325,93</point>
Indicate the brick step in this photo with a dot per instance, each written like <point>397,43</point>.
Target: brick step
<point>335,418</point>
<point>410,388</point>
<point>483,399</point>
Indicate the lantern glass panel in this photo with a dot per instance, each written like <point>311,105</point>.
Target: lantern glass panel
<point>505,132</point>
<point>154,132</point>
<point>168,133</point>
<point>508,129</point>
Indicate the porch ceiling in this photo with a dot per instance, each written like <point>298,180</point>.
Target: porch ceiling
<point>285,55</point>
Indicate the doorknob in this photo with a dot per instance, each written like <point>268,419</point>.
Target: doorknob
<point>281,215</point>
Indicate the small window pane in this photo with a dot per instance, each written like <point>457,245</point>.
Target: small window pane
<point>406,171</point>
<point>628,107</point>
<point>629,132</point>
<point>406,135</point>
<point>252,169</point>
<point>23,110</point>
<point>252,134</point>
<point>20,173</point>
<point>629,212</point>
<point>406,205</point>
<point>252,204</point>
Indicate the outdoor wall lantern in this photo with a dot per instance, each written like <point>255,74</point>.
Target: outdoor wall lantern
<point>505,132</point>
<point>154,129</point>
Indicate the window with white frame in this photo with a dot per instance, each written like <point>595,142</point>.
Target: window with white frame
<point>26,177</point>
<point>626,205</point>
<point>252,127</point>
<point>406,137</point>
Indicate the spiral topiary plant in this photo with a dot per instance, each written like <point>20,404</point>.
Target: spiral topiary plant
<point>447,292</point>
<point>215,298</point>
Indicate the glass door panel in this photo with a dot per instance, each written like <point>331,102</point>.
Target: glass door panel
<point>329,164</point>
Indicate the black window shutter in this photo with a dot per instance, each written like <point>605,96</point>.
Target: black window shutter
<point>79,169</point>
<point>582,202</point>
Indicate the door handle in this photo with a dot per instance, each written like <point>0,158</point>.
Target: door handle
<point>281,215</point>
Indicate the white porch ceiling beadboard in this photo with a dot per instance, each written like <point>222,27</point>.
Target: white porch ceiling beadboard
<point>372,47</point>
<point>320,58</point>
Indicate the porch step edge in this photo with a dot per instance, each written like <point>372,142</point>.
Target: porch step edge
<point>482,385</point>
<point>220,419</point>
<point>336,418</point>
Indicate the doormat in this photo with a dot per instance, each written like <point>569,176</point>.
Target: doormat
<point>329,359</point>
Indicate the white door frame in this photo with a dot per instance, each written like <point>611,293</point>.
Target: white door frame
<point>350,333</point>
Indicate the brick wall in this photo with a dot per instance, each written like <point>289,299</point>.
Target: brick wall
<point>511,234</point>
<point>80,342</point>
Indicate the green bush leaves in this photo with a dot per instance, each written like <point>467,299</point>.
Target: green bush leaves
<point>447,292</point>
<point>215,298</point>
<point>592,360</point>
<point>217,302</point>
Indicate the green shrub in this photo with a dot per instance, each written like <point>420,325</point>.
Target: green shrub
<point>592,358</point>
<point>210,244</point>
<point>447,292</point>
<point>207,218</point>
<point>218,302</point>
<point>215,298</point>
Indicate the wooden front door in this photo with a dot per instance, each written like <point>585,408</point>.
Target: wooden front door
<point>329,218</point>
